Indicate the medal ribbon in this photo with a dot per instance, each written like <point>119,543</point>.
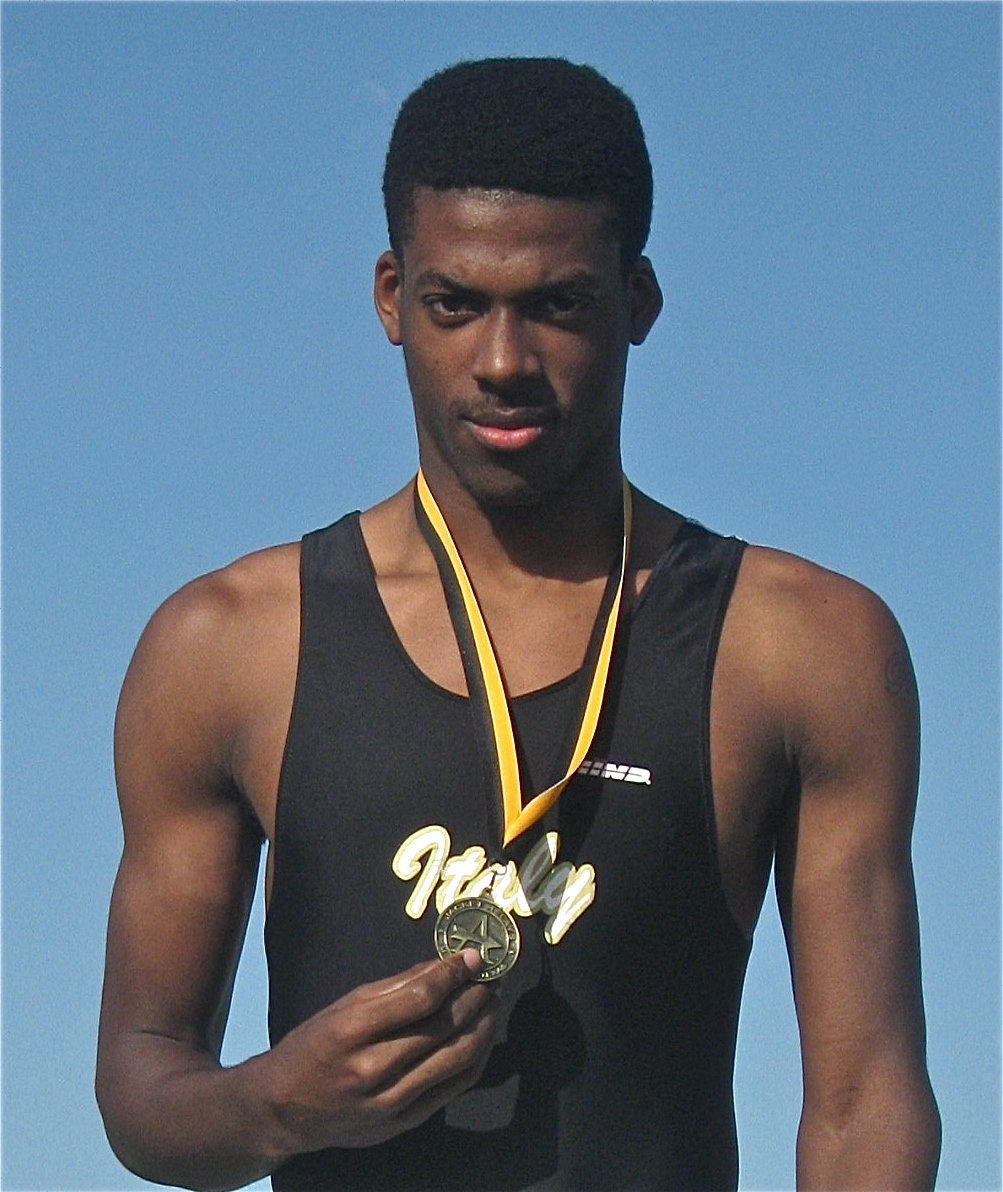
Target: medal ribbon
<point>517,818</point>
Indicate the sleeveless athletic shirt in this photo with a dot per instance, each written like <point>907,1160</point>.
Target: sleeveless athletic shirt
<point>614,1060</point>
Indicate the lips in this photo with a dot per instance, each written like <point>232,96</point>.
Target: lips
<point>507,430</point>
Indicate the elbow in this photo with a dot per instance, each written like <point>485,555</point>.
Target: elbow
<point>123,1133</point>
<point>929,1133</point>
<point>112,1118</point>
<point>887,1138</point>
<point>913,1130</point>
<point>133,1142</point>
<point>913,1138</point>
<point>177,1127</point>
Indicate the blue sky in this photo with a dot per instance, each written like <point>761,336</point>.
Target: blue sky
<point>192,369</point>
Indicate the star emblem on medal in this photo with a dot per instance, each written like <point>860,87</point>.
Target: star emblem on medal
<point>481,924</point>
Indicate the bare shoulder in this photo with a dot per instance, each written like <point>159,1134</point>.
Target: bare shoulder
<point>217,611</point>
<point>200,663</point>
<point>805,614</point>
<point>792,586</point>
<point>838,664</point>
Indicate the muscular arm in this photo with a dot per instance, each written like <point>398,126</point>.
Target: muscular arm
<point>845,887</point>
<point>377,1062</point>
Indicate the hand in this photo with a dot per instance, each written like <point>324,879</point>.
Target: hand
<point>383,1058</point>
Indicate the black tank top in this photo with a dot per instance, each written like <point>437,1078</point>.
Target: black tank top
<point>613,1068</point>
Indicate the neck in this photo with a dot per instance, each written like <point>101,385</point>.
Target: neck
<point>573,533</point>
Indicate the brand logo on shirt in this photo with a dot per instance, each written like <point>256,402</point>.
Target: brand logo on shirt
<point>603,769</point>
<point>540,884</point>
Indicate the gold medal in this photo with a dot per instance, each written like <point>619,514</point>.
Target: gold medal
<point>484,675</point>
<point>479,923</point>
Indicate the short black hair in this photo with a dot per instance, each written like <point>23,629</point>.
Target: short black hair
<point>539,126</point>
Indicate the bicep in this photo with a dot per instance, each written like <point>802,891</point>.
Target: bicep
<point>181,897</point>
<point>178,913</point>
<point>844,871</point>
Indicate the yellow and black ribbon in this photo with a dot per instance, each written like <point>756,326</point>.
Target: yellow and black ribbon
<point>484,679</point>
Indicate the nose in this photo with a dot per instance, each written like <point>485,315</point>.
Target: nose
<point>506,354</point>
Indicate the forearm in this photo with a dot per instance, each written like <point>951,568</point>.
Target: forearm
<point>379,1061</point>
<point>887,1141</point>
<point>175,1116</point>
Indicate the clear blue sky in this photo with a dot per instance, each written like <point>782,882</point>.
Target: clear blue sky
<point>192,369</point>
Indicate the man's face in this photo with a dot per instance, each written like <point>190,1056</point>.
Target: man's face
<point>515,317</point>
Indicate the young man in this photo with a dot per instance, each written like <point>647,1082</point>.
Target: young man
<point>685,709</point>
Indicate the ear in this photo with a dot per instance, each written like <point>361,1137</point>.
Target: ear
<point>387,284</point>
<point>645,299</point>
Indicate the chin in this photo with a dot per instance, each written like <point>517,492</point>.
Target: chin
<point>515,492</point>
<point>524,479</point>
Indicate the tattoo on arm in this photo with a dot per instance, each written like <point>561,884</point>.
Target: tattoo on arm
<point>898,674</point>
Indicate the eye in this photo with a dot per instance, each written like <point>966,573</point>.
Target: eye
<point>450,307</point>
<point>561,306</point>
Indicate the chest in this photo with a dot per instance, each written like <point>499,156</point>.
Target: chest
<point>540,630</point>
<point>388,813</point>
<point>378,711</point>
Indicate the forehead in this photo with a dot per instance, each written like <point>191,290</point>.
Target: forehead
<point>498,230</point>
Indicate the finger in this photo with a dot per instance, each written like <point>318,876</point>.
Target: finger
<point>441,1075</point>
<point>391,1005</point>
<point>463,964</point>
<point>397,1112</point>
<point>379,1063</point>
<point>392,1058</point>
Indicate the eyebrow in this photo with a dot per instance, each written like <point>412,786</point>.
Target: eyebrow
<point>432,277</point>
<point>578,279</point>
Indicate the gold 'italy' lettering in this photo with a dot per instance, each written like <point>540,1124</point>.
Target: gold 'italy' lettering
<point>561,891</point>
